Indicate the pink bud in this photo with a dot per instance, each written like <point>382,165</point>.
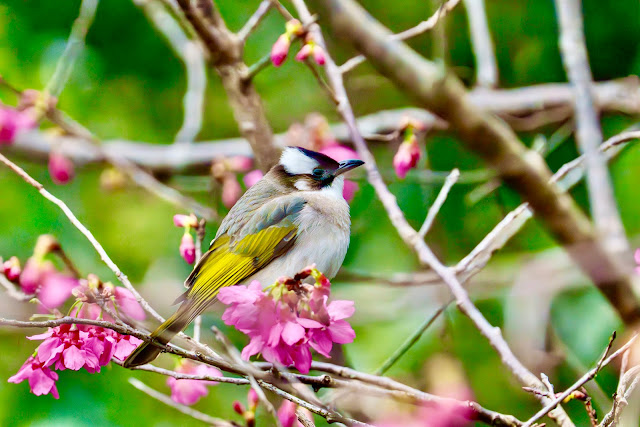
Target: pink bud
<point>318,55</point>
<point>304,53</point>
<point>12,122</point>
<point>12,268</point>
<point>280,50</point>
<point>188,248</point>
<point>407,157</point>
<point>252,177</point>
<point>238,407</point>
<point>252,399</point>
<point>60,168</point>
<point>231,191</point>
<point>240,163</point>
<point>185,221</point>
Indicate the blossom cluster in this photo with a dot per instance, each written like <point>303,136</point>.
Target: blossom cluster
<point>289,318</point>
<point>74,346</point>
<point>40,277</point>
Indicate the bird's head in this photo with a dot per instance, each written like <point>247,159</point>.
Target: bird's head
<point>307,170</point>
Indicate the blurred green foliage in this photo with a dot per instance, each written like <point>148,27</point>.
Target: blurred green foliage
<point>128,84</point>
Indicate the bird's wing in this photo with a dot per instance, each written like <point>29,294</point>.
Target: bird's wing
<point>268,234</point>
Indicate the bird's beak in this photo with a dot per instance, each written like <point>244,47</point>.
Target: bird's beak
<point>347,165</point>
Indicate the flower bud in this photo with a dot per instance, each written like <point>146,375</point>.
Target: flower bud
<point>319,55</point>
<point>252,178</point>
<point>45,244</point>
<point>238,407</point>
<point>60,168</point>
<point>231,190</point>
<point>252,400</point>
<point>407,156</point>
<point>185,221</point>
<point>188,248</point>
<point>11,268</point>
<point>304,53</point>
<point>280,49</point>
<point>12,122</point>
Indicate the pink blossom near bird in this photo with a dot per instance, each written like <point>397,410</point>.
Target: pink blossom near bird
<point>188,392</point>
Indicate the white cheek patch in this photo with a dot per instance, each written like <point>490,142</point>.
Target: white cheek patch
<point>302,185</point>
<point>336,187</point>
<point>296,162</point>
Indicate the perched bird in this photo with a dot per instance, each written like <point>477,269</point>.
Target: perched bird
<point>293,217</point>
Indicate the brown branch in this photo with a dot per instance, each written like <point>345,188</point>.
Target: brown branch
<point>254,20</point>
<point>523,170</point>
<point>225,55</point>
<point>589,135</point>
<point>617,96</point>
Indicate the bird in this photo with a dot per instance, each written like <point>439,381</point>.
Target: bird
<point>293,217</point>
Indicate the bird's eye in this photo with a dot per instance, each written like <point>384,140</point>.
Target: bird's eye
<point>318,173</point>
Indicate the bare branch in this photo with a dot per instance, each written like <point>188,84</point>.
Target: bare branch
<point>74,46</point>
<point>486,68</point>
<point>192,56</point>
<point>589,135</point>
<point>12,290</point>
<point>584,379</point>
<point>254,20</point>
<point>452,178</point>
<point>422,27</point>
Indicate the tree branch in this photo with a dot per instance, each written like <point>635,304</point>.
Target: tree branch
<point>589,135</point>
<point>486,68</point>
<point>489,138</point>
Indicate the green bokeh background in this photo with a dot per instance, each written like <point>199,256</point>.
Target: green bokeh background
<point>128,84</point>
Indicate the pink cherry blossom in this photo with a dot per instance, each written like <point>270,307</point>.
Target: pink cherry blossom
<point>231,190</point>
<point>64,348</point>
<point>188,248</point>
<point>51,287</point>
<point>319,55</point>
<point>304,52</point>
<point>636,256</point>
<point>42,380</point>
<point>406,157</point>
<point>252,178</point>
<point>61,168</point>
<point>12,122</point>
<point>128,304</point>
<point>287,414</point>
<point>280,49</point>
<point>288,319</point>
<point>240,163</point>
<point>185,221</point>
<point>188,392</point>
<point>11,268</point>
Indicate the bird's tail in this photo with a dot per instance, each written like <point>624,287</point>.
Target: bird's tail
<point>147,351</point>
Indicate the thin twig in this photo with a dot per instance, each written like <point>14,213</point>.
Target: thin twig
<point>74,46</point>
<point>452,178</point>
<point>410,341</point>
<point>486,68</point>
<point>589,135</point>
<point>193,413</point>
<point>74,220</point>
<point>255,19</point>
<point>584,379</point>
<point>12,290</point>
<point>422,27</point>
<point>191,54</point>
